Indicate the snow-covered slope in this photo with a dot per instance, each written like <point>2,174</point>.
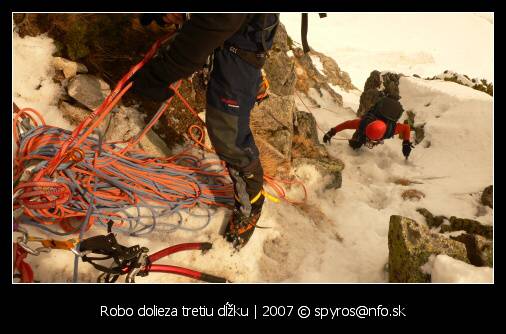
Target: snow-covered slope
<point>340,235</point>
<point>410,43</point>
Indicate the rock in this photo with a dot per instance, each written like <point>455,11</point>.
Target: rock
<point>468,225</point>
<point>367,100</point>
<point>305,137</point>
<point>88,90</point>
<point>411,244</point>
<point>281,39</point>
<point>123,125</point>
<point>418,128</point>
<point>412,195</point>
<point>487,197</point>
<point>279,67</point>
<point>128,122</point>
<point>305,125</point>
<point>479,249</point>
<point>391,84</point>
<point>70,68</point>
<point>308,77</point>
<point>430,219</point>
<point>333,73</point>
<point>375,86</point>
<point>273,161</point>
<point>326,166</point>
<point>272,121</point>
<point>75,115</point>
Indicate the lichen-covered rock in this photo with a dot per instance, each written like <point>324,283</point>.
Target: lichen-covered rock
<point>468,225</point>
<point>326,166</point>
<point>430,219</point>
<point>279,67</point>
<point>411,244</point>
<point>487,197</point>
<point>305,125</point>
<point>377,85</point>
<point>272,121</point>
<point>274,163</point>
<point>479,249</point>
<point>88,90</point>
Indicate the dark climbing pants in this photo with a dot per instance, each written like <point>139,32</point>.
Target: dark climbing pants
<point>231,96</point>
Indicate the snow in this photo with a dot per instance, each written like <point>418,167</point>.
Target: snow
<point>446,269</point>
<point>463,79</point>
<point>317,63</point>
<point>339,235</point>
<point>410,43</point>
<point>33,85</point>
<point>351,98</point>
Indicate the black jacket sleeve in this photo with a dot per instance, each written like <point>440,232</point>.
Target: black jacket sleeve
<point>196,40</point>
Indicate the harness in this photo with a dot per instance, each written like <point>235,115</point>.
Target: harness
<point>262,36</point>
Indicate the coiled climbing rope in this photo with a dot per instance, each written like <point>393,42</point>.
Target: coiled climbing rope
<point>68,181</point>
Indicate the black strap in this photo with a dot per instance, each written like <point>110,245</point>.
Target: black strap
<point>256,59</point>
<point>303,31</point>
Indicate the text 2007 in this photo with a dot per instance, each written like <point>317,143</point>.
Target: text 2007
<point>277,311</point>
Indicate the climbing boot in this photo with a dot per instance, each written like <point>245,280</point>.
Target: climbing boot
<point>241,226</point>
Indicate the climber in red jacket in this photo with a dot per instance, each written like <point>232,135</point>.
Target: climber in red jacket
<point>377,124</point>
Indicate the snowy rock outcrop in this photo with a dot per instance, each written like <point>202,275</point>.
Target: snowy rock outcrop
<point>410,245</point>
<point>462,79</point>
<point>279,67</point>
<point>375,86</point>
<point>487,197</point>
<point>476,237</point>
<point>308,150</point>
<point>468,225</point>
<point>285,136</point>
<point>272,122</point>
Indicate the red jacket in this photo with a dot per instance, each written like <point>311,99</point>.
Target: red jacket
<point>403,129</point>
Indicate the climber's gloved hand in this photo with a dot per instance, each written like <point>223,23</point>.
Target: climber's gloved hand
<point>328,136</point>
<point>149,85</point>
<point>406,148</point>
<point>355,144</point>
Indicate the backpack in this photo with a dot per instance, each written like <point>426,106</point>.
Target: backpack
<point>388,110</point>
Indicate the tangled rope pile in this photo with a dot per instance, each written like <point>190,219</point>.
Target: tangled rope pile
<point>73,179</point>
<point>114,184</point>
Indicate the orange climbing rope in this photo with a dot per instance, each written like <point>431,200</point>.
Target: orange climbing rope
<point>77,180</point>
